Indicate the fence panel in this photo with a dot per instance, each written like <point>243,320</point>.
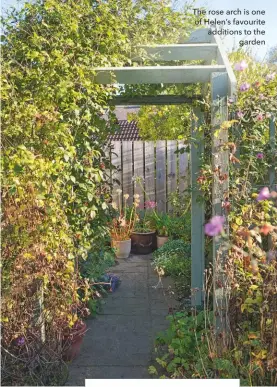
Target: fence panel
<point>162,170</point>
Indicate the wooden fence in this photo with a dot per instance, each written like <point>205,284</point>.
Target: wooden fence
<point>159,164</point>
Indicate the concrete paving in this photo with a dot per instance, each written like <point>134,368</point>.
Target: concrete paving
<point>120,341</point>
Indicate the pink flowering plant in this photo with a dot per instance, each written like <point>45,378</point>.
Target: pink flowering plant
<point>247,350</point>
<point>254,108</point>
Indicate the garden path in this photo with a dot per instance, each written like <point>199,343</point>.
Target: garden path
<point>120,340</point>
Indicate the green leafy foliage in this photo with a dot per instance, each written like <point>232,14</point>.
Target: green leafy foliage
<point>173,258</point>
<point>55,188</point>
<point>163,224</point>
<point>97,263</point>
<point>163,122</point>
<point>181,345</point>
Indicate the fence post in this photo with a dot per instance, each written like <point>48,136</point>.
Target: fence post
<point>197,211</point>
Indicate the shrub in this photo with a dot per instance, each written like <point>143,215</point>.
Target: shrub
<point>173,258</point>
<point>180,227</point>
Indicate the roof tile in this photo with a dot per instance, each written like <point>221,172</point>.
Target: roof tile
<point>128,131</point>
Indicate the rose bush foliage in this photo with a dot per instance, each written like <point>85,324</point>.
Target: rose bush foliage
<point>55,189</point>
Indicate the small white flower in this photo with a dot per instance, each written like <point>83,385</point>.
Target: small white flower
<point>126,196</point>
<point>119,191</point>
<point>138,179</point>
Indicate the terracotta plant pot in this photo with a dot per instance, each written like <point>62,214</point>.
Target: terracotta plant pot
<point>161,240</point>
<point>122,248</point>
<point>143,242</point>
<point>73,341</point>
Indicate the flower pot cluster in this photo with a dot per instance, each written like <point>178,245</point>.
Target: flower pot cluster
<point>136,230</point>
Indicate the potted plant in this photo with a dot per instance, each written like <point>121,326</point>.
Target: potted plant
<point>163,229</point>
<point>72,340</point>
<point>144,235</point>
<point>122,227</point>
<point>73,327</point>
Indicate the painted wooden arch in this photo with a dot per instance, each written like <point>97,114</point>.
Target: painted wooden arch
<point>217,71</point>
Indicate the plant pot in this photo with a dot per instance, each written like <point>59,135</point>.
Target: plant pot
<point>122,248</point>
<point>72,342</point>
<point>143,242</point>
<point>161,240</point>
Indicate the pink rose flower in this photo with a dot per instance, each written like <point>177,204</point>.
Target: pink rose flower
<point>215,226</point>
<point>260,117</point>
<point>260,155</point>
<point>264,194</point>
<point>240,114</point>
<point>270,77</point>
<point>244,86</point>
<point>241,66</point>
<point>150,204</point>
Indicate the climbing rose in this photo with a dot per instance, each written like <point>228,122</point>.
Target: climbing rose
<point>270,77</point>
<point>264,194</point>
<point>260,117</point>
<point>240,66</point>
<point>240,114</point>
<point>244,86</point>
<point>215,226</point>
<point>260,155</point>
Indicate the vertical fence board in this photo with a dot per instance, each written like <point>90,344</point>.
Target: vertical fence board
<point>183,167</point>
<point>150,171</point>
<point>161,175</point>
<point>160,170</point>
<point>127,168</point>
<point>139,169</point>
<point>116,173</point>
<point>171,169</point>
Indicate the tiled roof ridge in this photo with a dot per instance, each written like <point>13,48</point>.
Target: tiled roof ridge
<point>128,131</point>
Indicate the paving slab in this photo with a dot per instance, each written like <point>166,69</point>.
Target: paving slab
<point>120,340</point>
